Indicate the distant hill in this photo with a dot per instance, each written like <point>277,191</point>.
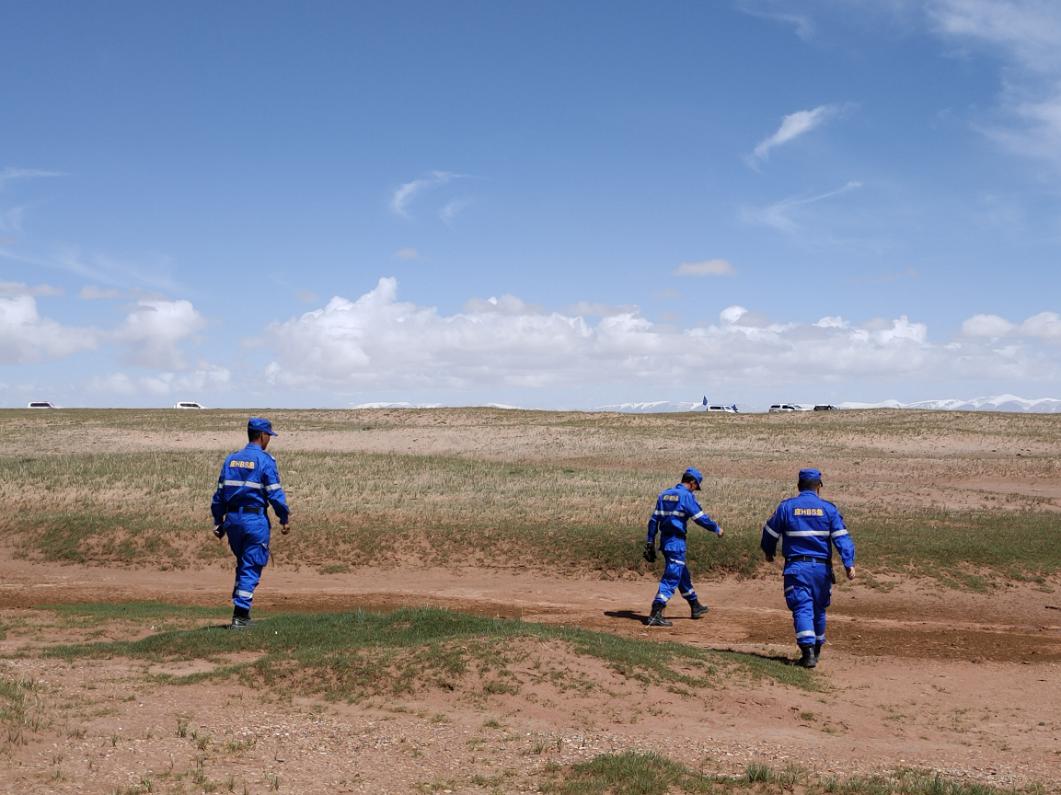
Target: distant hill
<point>996,403</point>
<point>652,407</point>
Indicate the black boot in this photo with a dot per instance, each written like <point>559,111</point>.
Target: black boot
<point>808,658</point>
<point>241,618</point>
<point>817,651</point>
<point>697,610</point>
<point>657,619</point>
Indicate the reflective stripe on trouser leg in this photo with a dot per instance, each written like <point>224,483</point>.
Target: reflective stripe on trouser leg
<point>819,625</point>
<point>248,575</point>
<point>685,585</point>
<point>673,575</point>
<point>249,567</point>
<point>800,601</point>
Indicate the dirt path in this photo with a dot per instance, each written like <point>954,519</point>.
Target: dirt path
<point>915,676</point>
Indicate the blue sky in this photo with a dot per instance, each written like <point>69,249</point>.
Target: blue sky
<point>548,204</point>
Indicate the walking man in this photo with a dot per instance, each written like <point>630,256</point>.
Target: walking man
<point>809,527</point>
<point>674,508</point>
<point>249,482</point>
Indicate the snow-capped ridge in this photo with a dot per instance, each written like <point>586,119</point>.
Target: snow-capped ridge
<point>1011,403</point>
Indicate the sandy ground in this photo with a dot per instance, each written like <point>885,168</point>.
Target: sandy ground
<point>918,676</point>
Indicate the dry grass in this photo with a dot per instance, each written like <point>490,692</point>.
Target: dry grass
<point>975,492</point>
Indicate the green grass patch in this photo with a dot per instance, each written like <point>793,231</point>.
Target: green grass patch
<point>641,773</point>
<point>19,711</point>
<point>356,654</point>
<point>968,549</point>
<point>132,611</point>
<point>628,773</point>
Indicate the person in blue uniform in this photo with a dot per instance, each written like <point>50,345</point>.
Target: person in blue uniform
<point>249,482</point>
<point>675,507</point>
<point>808,528</point>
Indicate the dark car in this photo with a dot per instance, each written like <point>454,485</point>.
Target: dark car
<point>825,407</point>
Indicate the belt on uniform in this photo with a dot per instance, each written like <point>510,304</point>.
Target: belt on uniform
<point>246,509</point>
<point>805,559</point>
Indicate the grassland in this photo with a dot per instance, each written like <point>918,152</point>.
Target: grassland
<point>636,773</point>
<point>354,655</point>
<point>966,498</point>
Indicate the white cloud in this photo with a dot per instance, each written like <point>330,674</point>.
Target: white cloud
<point>802,25</point>
<point>782,215</point>
<point>10,174</point>
<point>708,267</point>
<point>18,288</point>
<point>1028,31</point>
<point>103,269</point>
<point>25,336</point>
<point>793,126</point>
<point>594,309</point>
<point>378,341</point>
<point>92,293</point>
<point>408,254</point>
<point>1045,325</point>
<point>986,326</point>
<point>405,193</point>
<point>155,330</point>
<point>186,385</point>
<point>452,209</point>
<point>1027,35</point>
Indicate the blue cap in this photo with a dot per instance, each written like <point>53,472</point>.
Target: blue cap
<point>694,474</point>
<point>261,424</point>
<point>810,475</point>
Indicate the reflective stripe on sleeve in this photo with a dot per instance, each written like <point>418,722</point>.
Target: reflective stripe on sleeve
<point>696,516</point>
<point>246,484</point>
<point>839,533</point>
<point>804,533</point>
<point>273,487</point>
<point>771,531</point>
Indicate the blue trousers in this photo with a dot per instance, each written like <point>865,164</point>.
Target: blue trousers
<point>676,576</point>
<point>808,592</point>
<point>248,537</point>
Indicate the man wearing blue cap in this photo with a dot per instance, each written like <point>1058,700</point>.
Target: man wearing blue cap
<point>809,527</point>
<point>249,482</point>
<point>674,508</point>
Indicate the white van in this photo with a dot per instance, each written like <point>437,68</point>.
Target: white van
<point>781,407</point>
<point>41,404</point>
<point>187,404</point>
<point>723,409</point>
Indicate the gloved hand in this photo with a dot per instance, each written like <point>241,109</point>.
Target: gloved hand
<point>650,552</point>
<point>219,530</point>
<point>285,529</point>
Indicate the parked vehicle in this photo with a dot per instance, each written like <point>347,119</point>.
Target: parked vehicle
<point>783,407</point>
<point>825,407</point>
<point>188,404</point>
<point>41,404</point>
<point>723,409</point>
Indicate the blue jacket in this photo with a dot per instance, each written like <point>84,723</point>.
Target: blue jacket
<point>249,479</point>
<point>806,524</point>
<point>674,507</point>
